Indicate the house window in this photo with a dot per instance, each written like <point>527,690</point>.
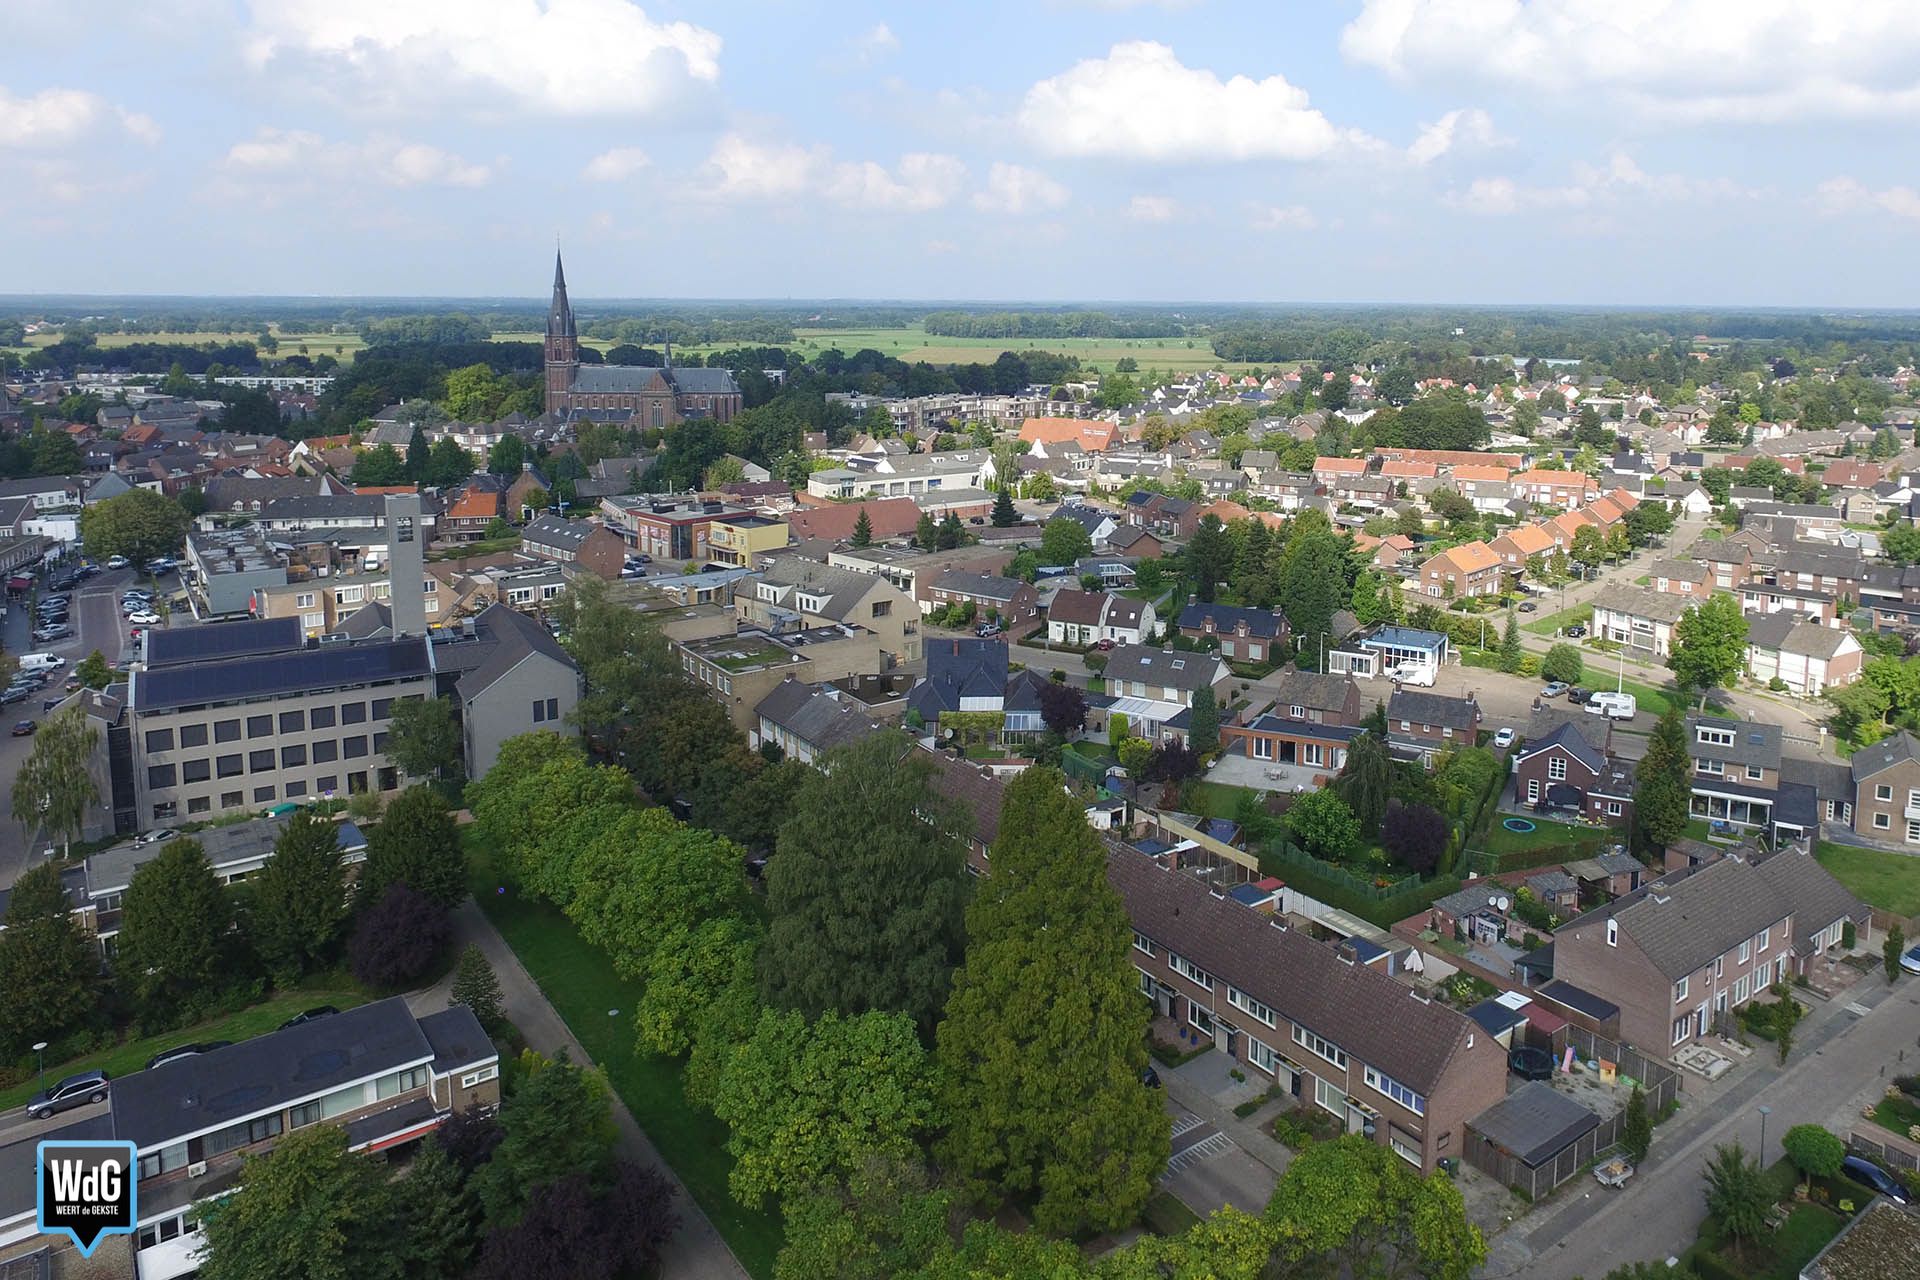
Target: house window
<point>293,722</point>
<point>259,726</point>
<point>1189,970</point>
<point>193,735</point>
<point>472,1078</point>
<point>228,766</point>
<point>226,731</point>
<point>326,752</point>
<point>1297,712</point>
<point>1200,1017</point>
<point>1719,965</point>
<point>1556,769</point>
<point>260,761</point>
<point>399,1082</point>
<point>1744,953</point>
<point>159,739</point>
<point>1386,1085</point>
<point>1881,822</point>
<point>353,713</point>
<point>1325,1048</point>
<point>159,776</point>
<point>1533,790</point>
<point>321,717</point>
<point>1714,767</point>
<point>1142,943</point>
<point>1681,1026</point>
<point>1313,753</point>
<point>1249,1006</point>
<point>1263,748</point>
<point>1680,991</point>
<point>200,804</point>
<point>1261,1056</point>
<point>1913,831</point>
<point>1760,940</point>
<point>1330,1096</point>
<point>1740,989</point>
<point>1613,808</point>
<point>1613,933</point>
<point>1883,792</point>
<point>292,757</point>
<point>1755,773</point>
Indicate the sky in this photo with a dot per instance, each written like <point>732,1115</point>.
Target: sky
<point>1610,152</point>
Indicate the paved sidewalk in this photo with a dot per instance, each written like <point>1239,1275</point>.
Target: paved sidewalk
<point>697,1251</point>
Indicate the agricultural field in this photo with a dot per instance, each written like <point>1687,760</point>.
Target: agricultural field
<point>341,346</point>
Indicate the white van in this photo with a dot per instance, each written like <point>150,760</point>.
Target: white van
<point>1414,673</point>
<point>1614,706</point>
<point>41,662</point>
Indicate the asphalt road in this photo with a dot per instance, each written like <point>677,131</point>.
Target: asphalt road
<point>98,625</point>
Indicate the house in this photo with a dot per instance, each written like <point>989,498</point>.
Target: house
<point>1154,688</point>
<point>668,528</point>
<point>1565,771</point>
<point>1689,578</point>
<point>1402,652</point>
<point>1393,549</point>
<point>1092,435</point>
<point>1422,724</point>
<point>1244,635</point>
<point>1886,783</point>
<point>808,720</point>
<point>385,1076</point>
<point>1009,600</point>
<point>1317,697</point>
<point>1163,514</point>
<point>1637,618</point>
<point>1470,569</point>
<point>1326,471</point>
<point>964,675</point>
<point>1136,542</point>
<point>1345,1036</point>
<point>744,542</point>
<point>1881,1241</point>
<point>528,492</point>
<point>1562,489</point>
<point>1735,779</point>
<point>789,594</point>
<point>1521,544</point>
<point>1099,524</point>
<point>978,793</point>
<point>1084,618</point>
<point>1805,656</point>
<point>585,544</point>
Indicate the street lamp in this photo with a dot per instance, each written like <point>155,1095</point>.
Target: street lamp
<point>1765,1111</point>
<point>40,1051</point>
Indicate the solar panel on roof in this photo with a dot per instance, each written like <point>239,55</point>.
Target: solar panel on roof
<point>265,674</point>
<point>222,640</point>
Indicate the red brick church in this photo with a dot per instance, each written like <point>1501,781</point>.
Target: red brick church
<point>649,397</point>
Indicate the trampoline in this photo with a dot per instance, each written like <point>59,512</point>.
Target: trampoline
<point>1520,825</point>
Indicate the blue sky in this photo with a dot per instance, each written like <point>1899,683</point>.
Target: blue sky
<point>1718,152</point>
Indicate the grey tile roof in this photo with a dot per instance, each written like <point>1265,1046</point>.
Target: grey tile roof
<point>618,379</point>
<point>1885,754</point>
<point>1638,602</point>
<point>456,1037</point>
<point>1227,618</point>
<point>843,588</point>
<point>1570,739</point>
<point>504,638</point>
<point>1360,1008</point>
<point>980,586</point>
<point>1788,632</point>
<point>1681,927</point>
<point>816,714</point>
<point>1432,708</point>
<point>960,667</point>
<point>1167,668</point>
<point>1317,690</point>
<point>1818,899</point>
<point>1753,742</point>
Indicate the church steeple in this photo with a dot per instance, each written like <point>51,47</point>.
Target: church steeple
<point>560,314</point>
<point>563,342</point>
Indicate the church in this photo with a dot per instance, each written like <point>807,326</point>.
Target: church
<point>644,396</point>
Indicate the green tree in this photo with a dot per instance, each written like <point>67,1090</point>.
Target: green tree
<point>49,967</point>
<point>54,787</point>
<point>700,994</point>
<point>1563,663</point>
<point>380,465</point>
<point>1064,541</point>
<point>423,738</point>
<point>139,524</point>
<point>475,986</point>
<point>1133,754</point>
<point>1209,557</point>
<point>419,455</point>
<point>416,844</point>
<point>1709,645</point>
<point>1589,545</point>
<point>297,904</point>
<point>646,875</point>
<point>1313,584</point>
<point>1510,644</point>
<point>950,534</point>
<point>542,803</point>
<point>1738,1197</point>
<point>885,1221</point>
<point>1005,516</point>
<point>174,925</point>
<point>1203,735</point>
<point>558,1122</point>
<point>1044,1040</point>
<point>1323,825</point>
<point>1353,1207</point>
<point>1366,782</point>
<point>867,890</point>
<point>448,463</point>
<point>308,1210</point>
<point>926,534</point>
<point>507,457</point>
<point>1637,1136</point>
<point>811,1103</point>
<point>474,394</point>
<point>1890,950</point>
<point>1815,1152</point>
<point>862,531</point>
<point>93,671</point>
<point>1661,794</point>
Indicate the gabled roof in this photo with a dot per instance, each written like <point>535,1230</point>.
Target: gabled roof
<point>959,667</point>
<point>980,586</point>
<point>1468,557</point>
<point>1227,618</point>
<point>1901,748</point>
<point>1168,668</point>
<point>1754,742</point>
<point>1817,898</point>
<point>1082,608</point>
<point>505,638</point>
<point>816,714</point>
<point>1442,709</point>
<point>1682,926</point>
<point>1638,602</point>
<point>1569,739</point>
<point>1528,539</point>
<point>1789,632</point>
<point>1314,689</point>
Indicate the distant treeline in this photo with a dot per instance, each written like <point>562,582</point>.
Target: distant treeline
<point>1049,324</point>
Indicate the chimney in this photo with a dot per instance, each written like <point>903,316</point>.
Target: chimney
<point>406,565</point>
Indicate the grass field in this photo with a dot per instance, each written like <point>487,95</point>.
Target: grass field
<point>1890,881</point>
<point>1498,840</point>
<point>1581,613</point>
<point>131,1055</point>
<point>598,1007</point>
<point>341,346</point>
<point>1214,799</point>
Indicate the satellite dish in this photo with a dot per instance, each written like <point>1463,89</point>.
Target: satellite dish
<point>1501,903</point>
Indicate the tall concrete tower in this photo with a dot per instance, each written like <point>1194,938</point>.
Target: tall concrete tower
<point>406,564</point>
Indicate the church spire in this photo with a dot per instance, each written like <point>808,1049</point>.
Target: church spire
<point>560,313</point>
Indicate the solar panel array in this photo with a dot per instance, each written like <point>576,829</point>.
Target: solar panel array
<point>222,640</point>
<point>265,675</point>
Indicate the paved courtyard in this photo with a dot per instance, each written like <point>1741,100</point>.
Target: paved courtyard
<point>1236,770</point>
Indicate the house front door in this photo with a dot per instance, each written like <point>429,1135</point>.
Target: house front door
<point>1700,1020</point>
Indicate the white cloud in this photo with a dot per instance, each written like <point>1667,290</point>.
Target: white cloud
<point>1141,103</point>
<point>1729,60</point>
<point>1456,130</point>
<point>1152,208</point>
<point>552,57</point>
<point>279,153</point>
<point>58,117</point>
<point>1286,217</point>
<point>616,165</point>
<point>1850,195</point>
<point>742,168</point>
<point>1591,185</point>
<point>1013,188</point>
<point>873,45</point>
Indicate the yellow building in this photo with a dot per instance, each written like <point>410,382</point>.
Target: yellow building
<point>742,541</point>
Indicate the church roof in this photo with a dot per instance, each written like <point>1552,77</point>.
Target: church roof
<point>620,379</point>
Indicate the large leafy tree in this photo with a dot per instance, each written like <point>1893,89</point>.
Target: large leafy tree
<point>423,738</point>
<point>884,1221</point>
<point>541,803</point>
<point>573,1231</point>
<point>867,890</point>
<point>1416,836</point>
<point>49,968</point>
<point>1815,1151</point>
<point>139,524</point>
<point>309,1210</point>
<point>558,1122</point>
<point>1738,1197</point>
<point>694,972</point>
<point>647,875</point>
<point>1661,795</point>
<point>1045,1035</point>
<point>1562,663</point>
<point>1366,781</point>
<point>174,923</point>
<point>1313,584</point>
<point>1064,541</point>
<point>55,786</point>
<point>1355,1206</point>
<point>1709,645</point>
<point>1323,825</point>
<point>297,904</point>
<point>416,844</point>
<point>810,1103</point>
<point>397,937</point>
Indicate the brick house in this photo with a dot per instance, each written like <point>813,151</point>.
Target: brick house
<point>1245,635</point>
<point>1563,489</point>
<point>1335,1033</point>
<point>1154,688</point>
<point>1423,724</point>
<point>1470,569</point>
<point>1317,698</point>
<point>1565,771</point>
<point>1688,578</point>
<point>1886,782</point>
<point>1327,472</point>
<point>1013,600</point>
<point>1637,618</point>
<point>1088,617</point>
<point>1805,656</point>
<point>1519,545</point>
<point>1163,514</point>
<point>582,543</point>
<point>1735,779</point>
<point>480,503</point>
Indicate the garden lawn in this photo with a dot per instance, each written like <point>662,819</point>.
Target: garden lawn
<point>1555,621</point>
<point>1890,881</point>
<point>131,1055</point>
<point>1213,799</point>
<point>581,984</point>
<point>1897,1114</point>
<point>1545,835</point>
<point>1168,1215</point>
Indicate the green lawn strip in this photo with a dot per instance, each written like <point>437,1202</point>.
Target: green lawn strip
<point>1213,799</point>
<point>580,983</point>
<point>131,1055</point>
<point>1553,622</point>
<point>1897,1114</point>
<point>1545,834</point>
<point>1890,881</point>
<point>1168,1215</point>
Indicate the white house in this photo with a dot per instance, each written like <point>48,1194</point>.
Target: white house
<point>1807,657</point>
<point>1638,618</point>
<point>1089,617</point>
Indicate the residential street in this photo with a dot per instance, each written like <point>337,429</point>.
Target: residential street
<point>1839,1057</point>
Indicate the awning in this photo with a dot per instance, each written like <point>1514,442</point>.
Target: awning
<point>1145,709</point>
<point>20,584</point>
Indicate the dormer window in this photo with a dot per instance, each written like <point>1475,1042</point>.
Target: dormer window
<point>1613,933</point>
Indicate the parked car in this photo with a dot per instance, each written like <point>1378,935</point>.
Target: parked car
<point>156,836</point>
<point>1910,959</point>
<point>1576,631</point>
<point>1578,696</point>
<point>58,631</point>
<point>1528,606</point>
<point>1553,689</point>
<point>185,1051</point>
<point>118,562</point>
<point>24,729</point>
<point>1867,1173</point>
<point>146,617</point>
<point>1104,645</point>
<point>13,694</point>
<point>311,1015</point>
<point>1503,739</point>
<point>74,1091</point>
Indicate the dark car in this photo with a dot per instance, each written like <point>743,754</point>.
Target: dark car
<point>1149,1077</point>
<point>1530,1064</point>
<point>311,1015</point>
<point>25,728</point>
<point>185,1051</point>
<point>14,693</point>
<point>1528,606</point>
<point>1868,1174</point>
<point>74,1091</point>
<point>1578,696</point>
<point>1575,631</point>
